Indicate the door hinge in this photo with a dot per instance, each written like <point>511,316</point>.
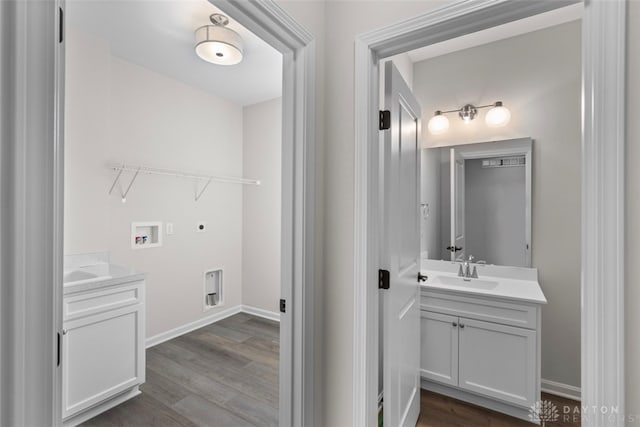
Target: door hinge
<point>385,120</point>
<point>60,25</point>
<point>383,279</point>
<point>283,306</point>
<point>59,350</point>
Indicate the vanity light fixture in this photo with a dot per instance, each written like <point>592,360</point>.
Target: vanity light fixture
<point>218,44</point>
<point>497,116</point>
<point>438,124</point>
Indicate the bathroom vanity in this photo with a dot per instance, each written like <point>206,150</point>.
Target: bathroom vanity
<point>103,352</point>
<point>480,337</point>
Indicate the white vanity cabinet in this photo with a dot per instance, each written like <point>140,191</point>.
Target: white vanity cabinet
<point>103,352</point>
<point>481,350</point>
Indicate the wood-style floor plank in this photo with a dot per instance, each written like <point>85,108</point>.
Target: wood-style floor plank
<point>221,375</point>
<point>437,410</point>
<point>226,375</point>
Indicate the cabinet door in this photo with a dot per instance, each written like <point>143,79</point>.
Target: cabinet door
<point>498,361</point>
<point>439,347</point>
<point>103,355</point>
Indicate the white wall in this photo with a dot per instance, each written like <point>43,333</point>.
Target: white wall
<point>120,112</point>
<point>538,77</point>
<point>261,219</point>
<point>347,19</point>
<point>495,213</point>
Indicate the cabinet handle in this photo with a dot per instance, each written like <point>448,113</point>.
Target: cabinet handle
<point>454,324</point>
<point>461,326</point>
<point>64,332</point>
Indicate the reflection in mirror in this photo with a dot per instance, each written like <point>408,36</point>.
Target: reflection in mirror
<point>476,200</point>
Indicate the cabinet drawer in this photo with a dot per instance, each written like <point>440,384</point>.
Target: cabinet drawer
<point>93,302</point>
<point>520,315</point>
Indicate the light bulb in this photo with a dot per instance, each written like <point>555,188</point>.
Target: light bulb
<point>438,124</point>
<point>498,116</point>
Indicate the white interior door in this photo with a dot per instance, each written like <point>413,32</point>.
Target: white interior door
<point>457,206</point>
<point>401,254</point>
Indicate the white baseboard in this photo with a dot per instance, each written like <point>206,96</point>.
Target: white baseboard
<point>261,313</point>
<point>559,389</point>
<point>181,330</point>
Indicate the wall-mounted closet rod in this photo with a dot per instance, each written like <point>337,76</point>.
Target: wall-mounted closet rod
<point>138,169</point>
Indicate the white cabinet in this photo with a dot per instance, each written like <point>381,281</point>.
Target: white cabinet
<point>493,363</point>
<point>439,347</point>
<point>497,361</point>
<point>103,359</point>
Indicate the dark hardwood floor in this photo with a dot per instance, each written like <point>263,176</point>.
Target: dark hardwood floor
<point>437,410</point>
<point>225,374</point>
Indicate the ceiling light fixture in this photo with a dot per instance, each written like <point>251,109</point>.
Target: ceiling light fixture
<point>218,44</point>
<point>497,116</point>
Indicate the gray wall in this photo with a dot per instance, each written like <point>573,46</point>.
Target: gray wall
<point>632,215</point>
<point>430,226</point>
<point>538,77</point>
<point>495,213</point>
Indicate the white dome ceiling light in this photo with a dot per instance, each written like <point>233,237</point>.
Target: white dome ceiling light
<point>497,116</point>
<point>218,44</point>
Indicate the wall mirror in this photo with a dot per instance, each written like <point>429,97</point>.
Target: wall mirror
<point>476,201</point>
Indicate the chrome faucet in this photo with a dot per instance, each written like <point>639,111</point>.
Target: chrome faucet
<point>465,269</point>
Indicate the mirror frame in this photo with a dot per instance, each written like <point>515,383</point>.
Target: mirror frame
<point>507,147</point>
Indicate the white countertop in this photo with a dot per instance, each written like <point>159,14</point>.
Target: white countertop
<point>84,278</point>
<point>509,283</point>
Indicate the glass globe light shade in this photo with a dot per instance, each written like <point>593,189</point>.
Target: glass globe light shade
<point>498,116</point>
<point>438,124</point>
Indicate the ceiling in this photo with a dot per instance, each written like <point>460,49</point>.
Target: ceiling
<point>159,35</point>
<point>511,29</point>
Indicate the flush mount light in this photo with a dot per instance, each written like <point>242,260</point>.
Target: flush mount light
<point>218,44</point>
<point>497,116</point>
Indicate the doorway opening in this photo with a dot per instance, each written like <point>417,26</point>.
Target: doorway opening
<point>422,31</point>
<point>173,179</point>
<point>176,139</point>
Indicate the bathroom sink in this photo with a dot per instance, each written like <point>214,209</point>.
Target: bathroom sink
<point>467,283</point>
<point>86,274</point>
<point>77,275</point>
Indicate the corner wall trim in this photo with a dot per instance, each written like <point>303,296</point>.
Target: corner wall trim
<point>560,389</point>
<point>181,330</point>
<point>266,314</point>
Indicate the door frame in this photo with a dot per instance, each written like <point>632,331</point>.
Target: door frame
<point>603,143</point>
<point>32,172</point>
